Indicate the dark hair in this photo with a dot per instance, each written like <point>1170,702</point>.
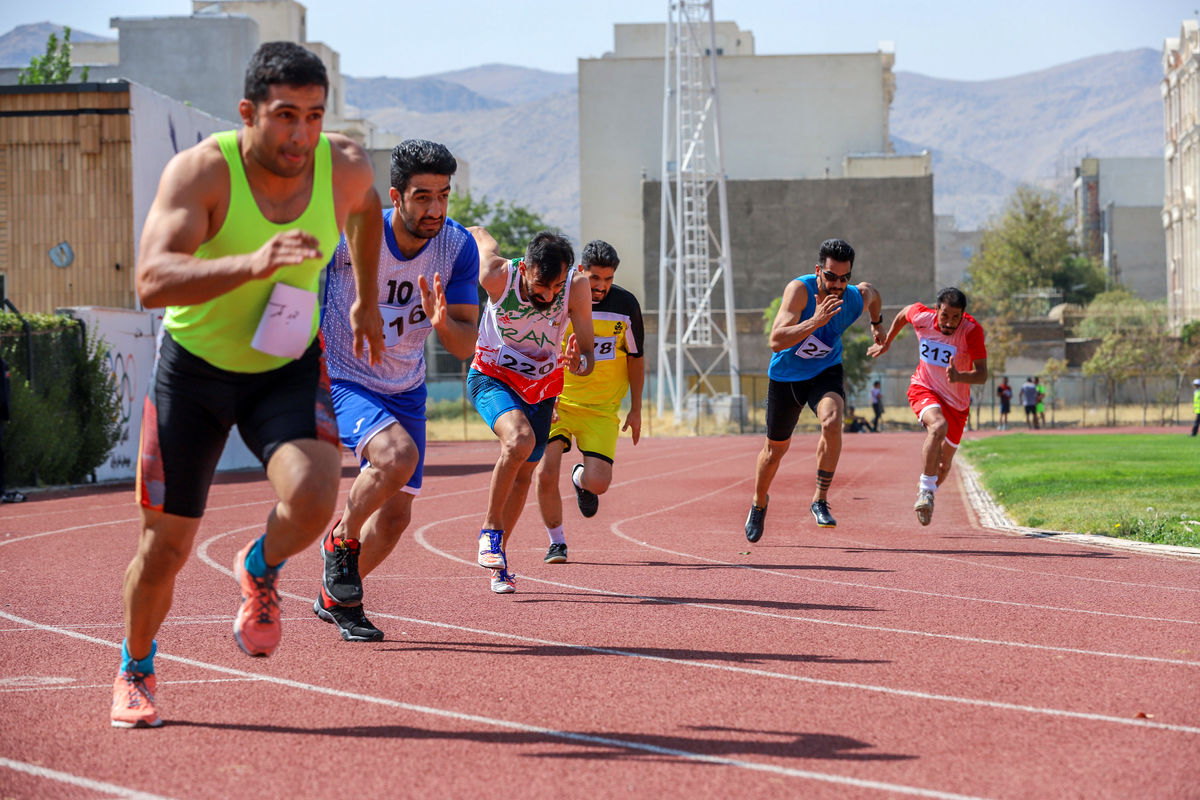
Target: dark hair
<point>599,253</point>
<point>547,255</point>
<point>420,157</point>
<point>837,249</point>
<point>287,63</point>
<point>952,296</point>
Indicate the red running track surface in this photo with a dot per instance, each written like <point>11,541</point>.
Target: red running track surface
<point>667,658</point>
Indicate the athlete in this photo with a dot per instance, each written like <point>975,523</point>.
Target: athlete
<point>806,369</point>
<point>234,247</point>
<point>588,407</point>
<point>952,357</point>
<point>381,409</point>
<point>517,372</point>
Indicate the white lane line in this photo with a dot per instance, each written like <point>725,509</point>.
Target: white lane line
<point>419,536</point>
<point>76,780</point>
<point>459,716</point>
<point>94,686</point>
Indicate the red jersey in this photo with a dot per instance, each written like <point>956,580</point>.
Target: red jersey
<point>936,352</point>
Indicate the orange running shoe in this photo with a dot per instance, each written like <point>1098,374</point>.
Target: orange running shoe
<point>256,628</point>
<point>133,701</point>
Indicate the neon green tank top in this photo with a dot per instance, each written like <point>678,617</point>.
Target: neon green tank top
<point>220,330</point>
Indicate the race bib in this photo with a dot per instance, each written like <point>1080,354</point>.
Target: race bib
<point>937,354</point>
<point>605,348</point>
<point>286,325</point>
<point>812,347</point>
<point>523,365</point>
<point>398,320</point>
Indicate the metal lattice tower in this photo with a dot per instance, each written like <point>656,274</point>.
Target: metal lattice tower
<point>694,259</point>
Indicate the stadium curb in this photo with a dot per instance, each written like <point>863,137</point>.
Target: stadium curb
<point>993,516</point>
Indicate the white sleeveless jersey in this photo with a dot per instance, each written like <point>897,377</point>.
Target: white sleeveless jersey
<point>451,254</point>
<point>519,344</point>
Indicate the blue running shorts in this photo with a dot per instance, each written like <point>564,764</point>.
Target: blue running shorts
<point>494,397</point>
<point>362,413</point>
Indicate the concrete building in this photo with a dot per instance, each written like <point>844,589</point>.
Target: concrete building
<point>783,117</point>
<point>167,53</point>
<point>1181,110</point>
<point>1118,221</point>
<point>954,250</point>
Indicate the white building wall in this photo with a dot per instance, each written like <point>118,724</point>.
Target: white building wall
<point>786,116</point>
<point>1131,181</point>
<point>1181,110</point>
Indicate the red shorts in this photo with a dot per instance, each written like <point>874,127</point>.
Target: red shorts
<point>920,399</point>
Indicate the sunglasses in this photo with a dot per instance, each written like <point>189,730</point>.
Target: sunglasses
<point>833,277</point>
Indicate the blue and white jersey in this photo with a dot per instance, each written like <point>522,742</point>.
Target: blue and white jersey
<point>452,254</point>
<point>823,348</point>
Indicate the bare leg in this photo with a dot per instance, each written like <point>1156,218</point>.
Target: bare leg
<point>829,447</point>
<point>769,459</point>
<point>163,549</point>
<point>597,475</point>
<point>517,440</point>
<point>549,499</point>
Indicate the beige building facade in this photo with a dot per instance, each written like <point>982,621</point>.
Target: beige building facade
<point>783,117</point>
<point>1181,109</point>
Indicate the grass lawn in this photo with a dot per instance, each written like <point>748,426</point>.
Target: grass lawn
<point>1135,486</point>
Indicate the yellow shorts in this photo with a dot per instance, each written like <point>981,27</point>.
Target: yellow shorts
<point>595,430</point>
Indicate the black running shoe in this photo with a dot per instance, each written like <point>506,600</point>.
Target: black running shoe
<point>820,512</point>
<point>589,503</point>
<point>342,581</point>
<point>557,554</point>
<point>755,520</point>
<point>352,623</point>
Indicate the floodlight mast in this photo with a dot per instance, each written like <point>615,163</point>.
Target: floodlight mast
<point>693,258</point>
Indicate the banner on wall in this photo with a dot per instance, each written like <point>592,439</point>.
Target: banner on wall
<point>129,339</point>
<point>160,127</point>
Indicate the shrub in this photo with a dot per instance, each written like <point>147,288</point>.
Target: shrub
<point>65,421</point>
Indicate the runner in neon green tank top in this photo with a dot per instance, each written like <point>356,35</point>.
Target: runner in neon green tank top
<point>234,247</point>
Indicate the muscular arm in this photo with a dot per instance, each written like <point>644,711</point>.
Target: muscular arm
<point>355,191</point>
<point>192,193</point>
<point>976,375</point>
<point>879,348</point>
<point>636,368</point>
<point>787,330</point>
<point>873,304</point>
<point>460,329</point>
<point>579,307</point>
<point>493,272</point>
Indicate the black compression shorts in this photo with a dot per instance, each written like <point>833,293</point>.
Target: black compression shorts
<point>191,406</point>
<point>785,399</point>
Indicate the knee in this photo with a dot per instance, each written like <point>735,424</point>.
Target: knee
<point>518,444</point>
<point>396,466</point>
<point>310,501</point>
<point>937,429</point>
<point>161,559</point>
<point>773,452</point>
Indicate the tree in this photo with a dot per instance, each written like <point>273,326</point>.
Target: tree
<point>1133,343</point>
<point>1053,370</point>
<point>54,66</point>
<point>511,225</point>
<point>1020,254</point>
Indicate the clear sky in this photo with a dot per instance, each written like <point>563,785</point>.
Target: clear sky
<point>954,39</point>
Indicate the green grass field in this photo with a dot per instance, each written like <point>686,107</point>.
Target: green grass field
<point>1134,486</point>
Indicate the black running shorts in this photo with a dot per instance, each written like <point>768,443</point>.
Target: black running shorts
<point>191,406</point>
<point>785,399</point>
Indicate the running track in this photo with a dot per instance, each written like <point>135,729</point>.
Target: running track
<point>668,658</point>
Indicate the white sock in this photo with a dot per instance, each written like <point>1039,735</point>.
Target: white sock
<point>556,535</point>
<point>576,474</point>
<point>928,483</point>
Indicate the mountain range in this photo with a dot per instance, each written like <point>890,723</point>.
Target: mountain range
<point>985,137</point>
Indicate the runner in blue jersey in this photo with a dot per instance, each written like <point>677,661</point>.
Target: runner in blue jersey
<point>428,273</point>
<point>806,369</point>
